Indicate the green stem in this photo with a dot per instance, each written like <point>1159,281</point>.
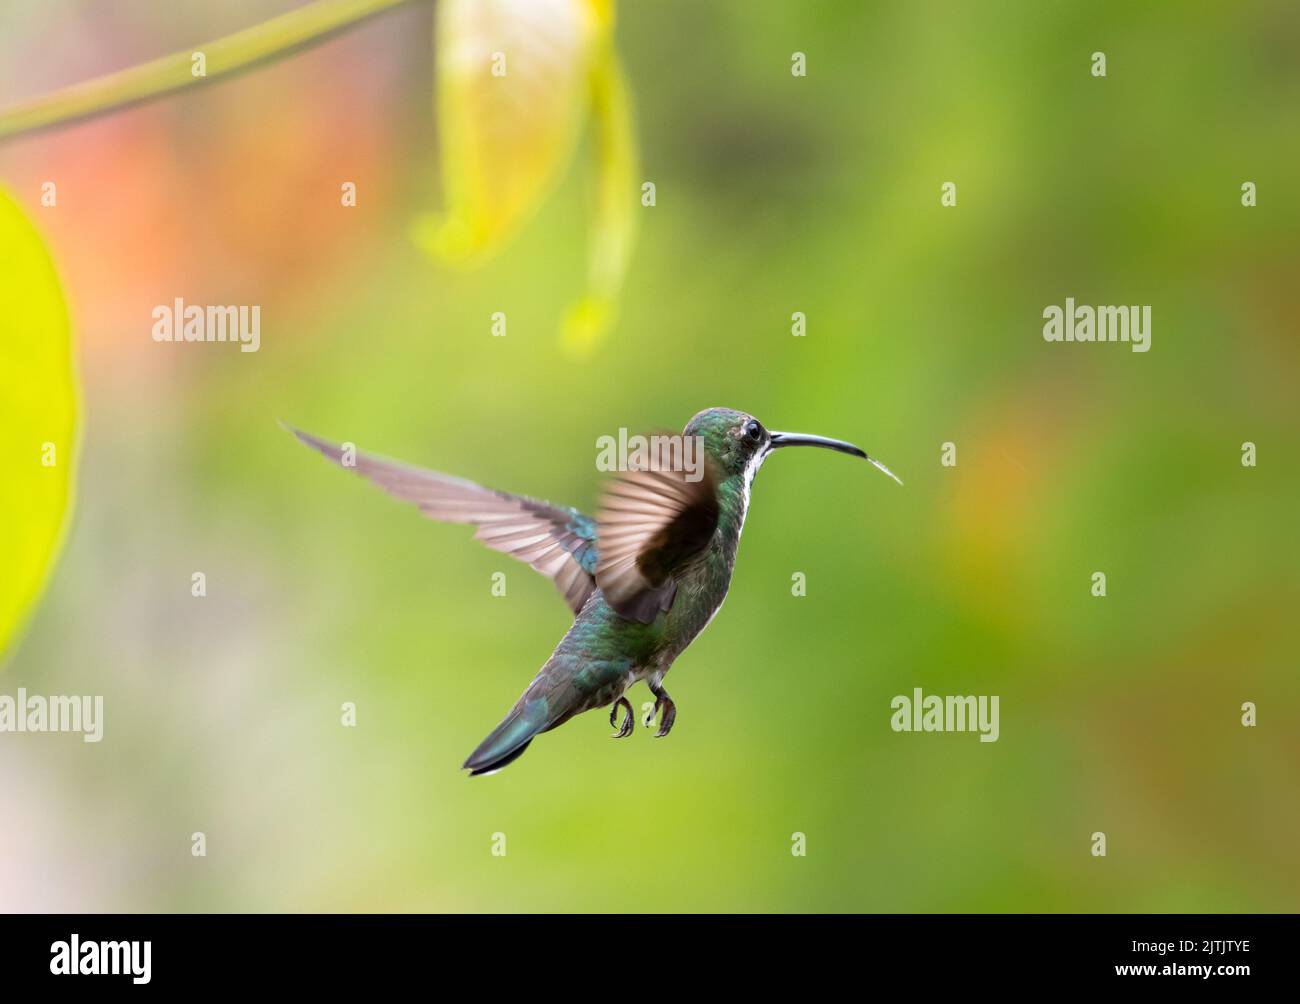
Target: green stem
<point>307,25</point>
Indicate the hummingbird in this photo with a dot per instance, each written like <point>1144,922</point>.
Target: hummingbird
<point>642,579</point>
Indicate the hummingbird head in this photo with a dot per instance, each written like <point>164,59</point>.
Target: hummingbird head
<point>739,443</point>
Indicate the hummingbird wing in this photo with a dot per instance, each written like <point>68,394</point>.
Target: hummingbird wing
<point>650,524</point>
<point>559,542</point>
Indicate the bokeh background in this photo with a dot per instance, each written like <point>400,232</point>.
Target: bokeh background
<point>775,195</point>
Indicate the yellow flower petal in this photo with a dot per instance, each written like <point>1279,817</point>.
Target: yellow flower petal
<point>512,93</point>
<point>38,408</point>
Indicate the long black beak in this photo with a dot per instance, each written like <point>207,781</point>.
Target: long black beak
<point>782,439</point>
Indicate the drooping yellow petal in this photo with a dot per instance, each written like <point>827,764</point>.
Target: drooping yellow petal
<point>612,228</point>
<point>511,96</point>
<point>38,423</point>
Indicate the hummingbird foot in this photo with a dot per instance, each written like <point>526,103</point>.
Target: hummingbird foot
<point>625,729</point>
<point>662,700</point>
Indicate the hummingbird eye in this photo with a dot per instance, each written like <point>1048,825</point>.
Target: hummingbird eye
<point>753,431</point>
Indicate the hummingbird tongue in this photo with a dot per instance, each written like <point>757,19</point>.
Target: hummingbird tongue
<point>783,439</point>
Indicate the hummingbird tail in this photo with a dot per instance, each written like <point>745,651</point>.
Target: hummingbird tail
<point>508,740</point>
<point>495,765</point>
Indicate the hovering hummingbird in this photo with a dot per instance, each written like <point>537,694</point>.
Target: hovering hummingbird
<point>643,579</point>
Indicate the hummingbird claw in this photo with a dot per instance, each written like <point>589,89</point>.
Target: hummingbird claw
<point>625,729</point>
<point>662,700</point>
<point>666,723</point>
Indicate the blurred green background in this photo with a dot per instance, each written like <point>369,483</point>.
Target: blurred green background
<point>775,194</point>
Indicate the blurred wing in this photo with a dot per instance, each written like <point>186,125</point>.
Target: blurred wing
<point>558,542</point>
<point>650,524</point>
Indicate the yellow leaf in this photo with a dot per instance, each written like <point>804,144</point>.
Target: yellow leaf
<point>38,416</point>
<point>512,92</point>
